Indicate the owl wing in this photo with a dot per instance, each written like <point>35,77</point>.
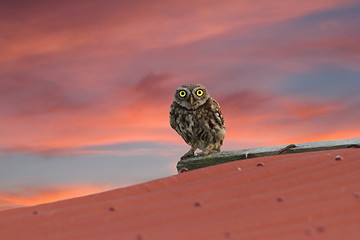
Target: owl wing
<point>217,113</point>
<point>173,123</point>
<point>178,121</point>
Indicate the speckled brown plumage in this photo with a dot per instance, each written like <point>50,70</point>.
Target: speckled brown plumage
<point>197,118</point>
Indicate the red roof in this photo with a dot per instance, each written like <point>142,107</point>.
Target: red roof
<point>312,195</point>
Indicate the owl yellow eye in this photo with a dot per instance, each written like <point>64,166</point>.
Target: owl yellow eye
<point>182,93</point>
<point>199,92</point>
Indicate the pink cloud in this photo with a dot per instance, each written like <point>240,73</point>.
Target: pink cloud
<point>118,27</point>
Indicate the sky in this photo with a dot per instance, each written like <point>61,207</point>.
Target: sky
<point>86,86</point>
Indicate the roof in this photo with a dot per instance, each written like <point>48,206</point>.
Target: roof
<point>313,195</point>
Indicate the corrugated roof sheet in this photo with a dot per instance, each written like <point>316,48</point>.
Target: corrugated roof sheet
<point>312,195</point>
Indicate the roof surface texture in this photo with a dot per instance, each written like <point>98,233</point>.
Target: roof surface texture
<point>314,195</point>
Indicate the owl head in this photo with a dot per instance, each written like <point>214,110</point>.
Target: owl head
<point>191,96</point>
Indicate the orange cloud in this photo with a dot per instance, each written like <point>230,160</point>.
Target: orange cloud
<point>32,196</point>
<point>275,120</point>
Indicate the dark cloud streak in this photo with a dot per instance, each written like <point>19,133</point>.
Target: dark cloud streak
<point>27,94</point>
<point>245,101</point>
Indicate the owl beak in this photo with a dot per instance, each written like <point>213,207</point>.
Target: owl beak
<point>191,99</point>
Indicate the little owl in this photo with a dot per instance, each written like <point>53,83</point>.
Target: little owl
<point>197,118</point>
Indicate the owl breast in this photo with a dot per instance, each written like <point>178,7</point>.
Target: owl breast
<point>199,127</point>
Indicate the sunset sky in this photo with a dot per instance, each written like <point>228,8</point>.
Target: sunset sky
<point>86,86</point>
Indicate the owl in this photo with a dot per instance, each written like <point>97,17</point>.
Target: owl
<point>197,118</point>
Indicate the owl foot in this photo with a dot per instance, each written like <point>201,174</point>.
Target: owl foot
<point>190,153</point>
<point>204,153</point>
<point>211,148</point>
